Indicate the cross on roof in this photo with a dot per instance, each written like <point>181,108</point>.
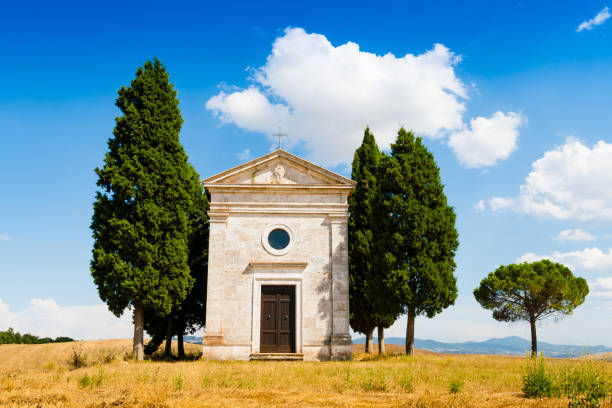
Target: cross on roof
<point>280,134</point>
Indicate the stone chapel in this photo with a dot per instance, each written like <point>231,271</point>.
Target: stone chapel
<point>278,261</point>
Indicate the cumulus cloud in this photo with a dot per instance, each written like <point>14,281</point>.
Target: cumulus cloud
<point>480,206</point>
<point>570,182</point>
<point>598,20</point>
<point>44,317</point>
<point>576,235</point>
<point>324,96</point>
<point>487,140</point>
<point>586,259</point>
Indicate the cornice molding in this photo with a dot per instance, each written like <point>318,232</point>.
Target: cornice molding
<point>278,265</point>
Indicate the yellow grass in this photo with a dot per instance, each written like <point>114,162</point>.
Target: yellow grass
<point>40,375</point>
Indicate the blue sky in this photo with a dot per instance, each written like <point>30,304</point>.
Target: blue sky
<point>514,102</point>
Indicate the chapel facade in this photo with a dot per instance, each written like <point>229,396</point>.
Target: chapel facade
<point>278,261</point>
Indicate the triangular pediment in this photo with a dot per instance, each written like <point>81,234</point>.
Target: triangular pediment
<point>278,167</point>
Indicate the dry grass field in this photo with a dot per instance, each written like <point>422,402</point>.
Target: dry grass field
<point>44,376</point>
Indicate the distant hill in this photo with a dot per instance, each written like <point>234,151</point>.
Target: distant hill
<point>513,345</point>
<point>192,339</point>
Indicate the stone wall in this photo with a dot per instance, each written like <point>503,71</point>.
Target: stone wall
<point>239,263</point>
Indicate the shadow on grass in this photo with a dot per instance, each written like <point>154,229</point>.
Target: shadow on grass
<point>160,356</point>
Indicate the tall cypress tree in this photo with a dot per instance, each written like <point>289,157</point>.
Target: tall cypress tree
<point>419,241</point>
<point>191,314</point>
<point>365,166</point>
<point>143,215</point>
<point>364,277</point>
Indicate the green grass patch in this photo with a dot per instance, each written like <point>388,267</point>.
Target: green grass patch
<point>584,383</point>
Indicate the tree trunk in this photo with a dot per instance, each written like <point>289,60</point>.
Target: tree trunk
<point>138,352</point>
<point>381,340</point>
<point>410,333</point>
<point>369,345</point>
<point>534,338</point>
<point>168,350</point>
<point>181,347</point>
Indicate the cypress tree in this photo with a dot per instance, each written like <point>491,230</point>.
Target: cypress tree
<point>364,277</point>
<point>191,314</point>
<point>365,165</point>
<point>149,196</point>
<point>417,238</point>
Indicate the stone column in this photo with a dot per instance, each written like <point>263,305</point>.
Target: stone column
<point>341,345</point>
<point>213,342</point>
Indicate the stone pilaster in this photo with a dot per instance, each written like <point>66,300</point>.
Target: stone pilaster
<point>341,345</point>
<point>213,342</point>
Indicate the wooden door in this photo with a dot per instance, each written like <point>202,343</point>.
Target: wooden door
<point>277,319</point>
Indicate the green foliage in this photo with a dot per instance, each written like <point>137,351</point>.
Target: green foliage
<point>89,381</point>
<point>374,381</point>
<point>99,378</point>
<point>583,383</point>
<point>149,202</point>
<point>416,239</point>
<point>531,292</point>
<point>12,337</point>
<point>347,378</point>
<point>406,383</point>
<point>191,314</point>
<point>364,282</point>
<point>85,381</point>
<point>456,385</point>
<point>537,381</point>
<point>178,382</point>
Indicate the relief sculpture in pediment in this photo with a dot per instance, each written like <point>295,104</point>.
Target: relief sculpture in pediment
<point>278,175</point>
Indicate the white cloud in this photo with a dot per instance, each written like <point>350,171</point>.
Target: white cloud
<point>569,182</point>
<point>324,96</point>
<point>4,237</point>
<point>499,203</point>
<point>244,155</point>
<point>589,258</point>
<point>575,235</point>
<point>599,19</point>
<point>487,140</point>
<point>480,206</point>
<point>45,318</point>
<point>601,288</point>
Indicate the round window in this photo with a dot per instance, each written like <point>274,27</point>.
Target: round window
<point>278,238</point>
